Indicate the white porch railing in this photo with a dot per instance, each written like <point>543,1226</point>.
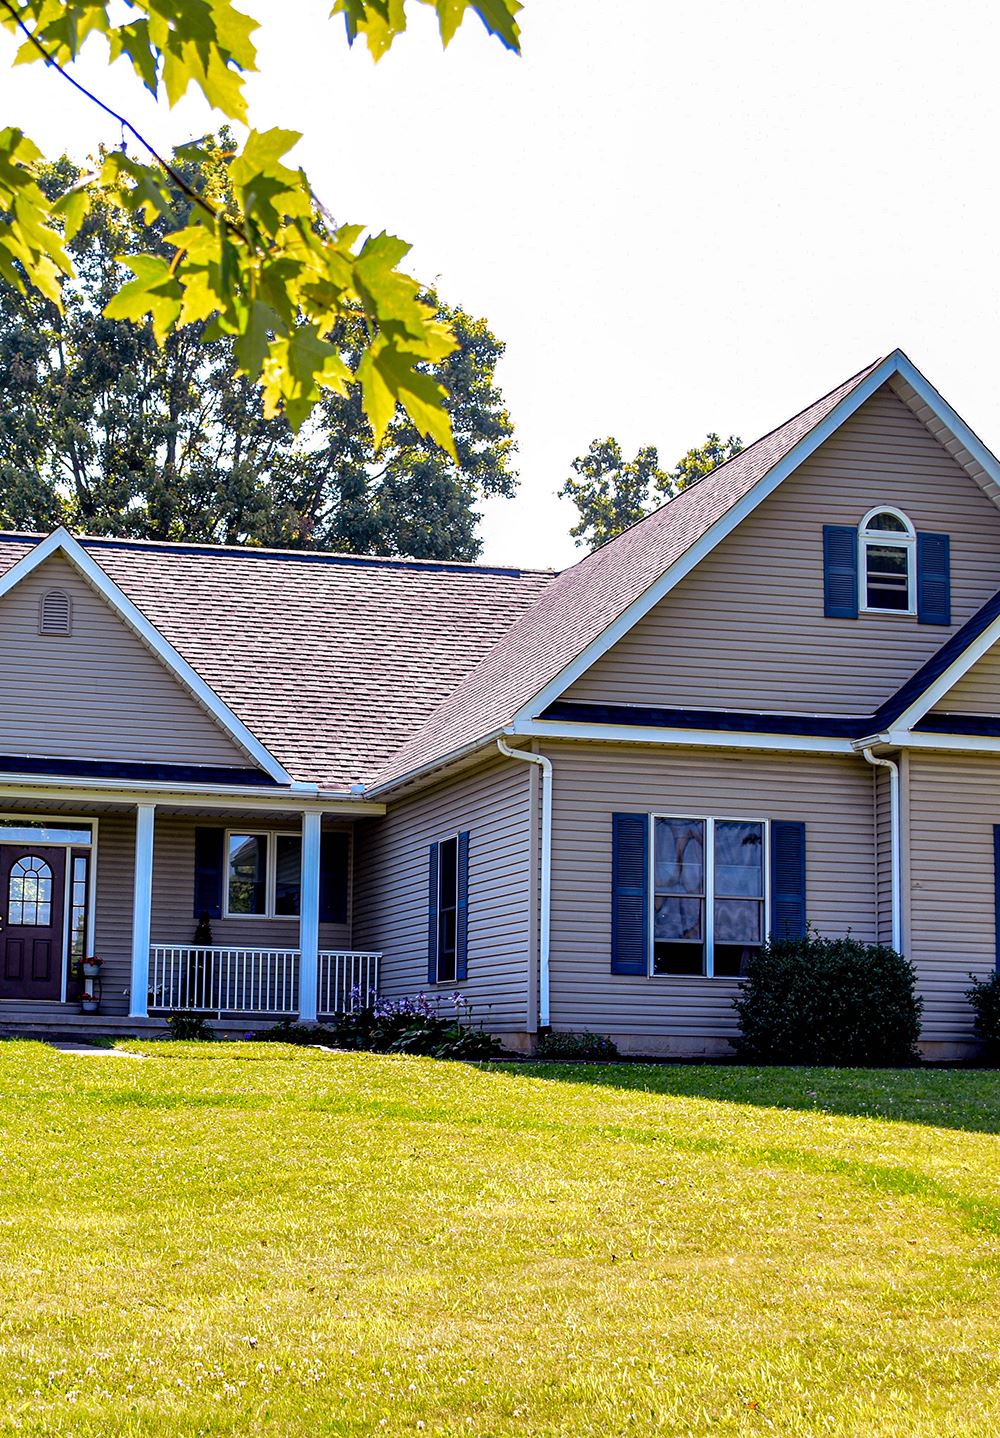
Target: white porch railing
<point>213,978</point>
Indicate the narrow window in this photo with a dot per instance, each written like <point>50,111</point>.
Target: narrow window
<point>447,910</point>
<point>78,912</point>
<point>888,568</point>
<point>708,895</point>
<point>247,889</point>
<point>287,874</point>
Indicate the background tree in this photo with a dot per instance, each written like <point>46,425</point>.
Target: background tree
<point>105,430</point>
<point>611,493</point>
<point>312,306</point>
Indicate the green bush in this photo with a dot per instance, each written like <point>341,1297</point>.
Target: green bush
<point>828,1001</point>
<point>188,1026</point>
<point>577,1046</point>
<point>396,1026</point>
<point>984,996</point>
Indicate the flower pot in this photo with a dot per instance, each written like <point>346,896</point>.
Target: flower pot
<point>89,1005</point>
<point>91,970</point>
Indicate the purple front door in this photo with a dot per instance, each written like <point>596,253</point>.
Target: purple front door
<point>32,917</point>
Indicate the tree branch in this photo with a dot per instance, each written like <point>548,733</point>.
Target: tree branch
<point>168,169</point>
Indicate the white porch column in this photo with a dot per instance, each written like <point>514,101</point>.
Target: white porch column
<point>142,904</point>
<point>309,920</point>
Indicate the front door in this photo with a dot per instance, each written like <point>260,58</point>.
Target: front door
<point>32,880</point>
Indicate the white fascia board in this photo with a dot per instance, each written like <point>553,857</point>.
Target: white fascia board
<point>953,421</point>
<point>719,531</point>
<point>949,677</point>
<point>921,739</point>
<point>215,796</point>
<point>691,738</point>
<point>60,541</point>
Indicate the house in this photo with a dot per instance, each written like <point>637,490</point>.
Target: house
<point>257,782</point>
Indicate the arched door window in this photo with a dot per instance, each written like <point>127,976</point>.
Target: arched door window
<point>30,893</point>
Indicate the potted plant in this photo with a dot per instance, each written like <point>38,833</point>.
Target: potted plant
<point>89,1004</point>
<point>92,967</point>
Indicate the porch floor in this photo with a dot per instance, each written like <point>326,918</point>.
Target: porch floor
<point>46,1020</point>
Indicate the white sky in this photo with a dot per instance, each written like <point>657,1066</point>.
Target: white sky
<point>679,217</point>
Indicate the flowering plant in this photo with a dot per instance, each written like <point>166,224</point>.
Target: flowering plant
<point>93,962</point>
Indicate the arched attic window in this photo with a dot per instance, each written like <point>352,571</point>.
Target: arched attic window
<point>55,613</point>
<point>888,570</point>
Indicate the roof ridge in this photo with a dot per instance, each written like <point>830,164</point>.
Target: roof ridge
<point>301,556</point>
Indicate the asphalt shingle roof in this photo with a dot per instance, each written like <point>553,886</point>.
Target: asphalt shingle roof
<point>331,661</point>
<point>354,670</point>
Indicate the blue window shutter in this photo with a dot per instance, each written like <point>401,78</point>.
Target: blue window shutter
<point>933,579</point>
<point>630,894</point>
<point>208,865</point>
<point>334,849</point>
<point>788,879</point>
<point>996,889</point>
<point>462,909</point>
<point>432,916</point>
<point>840,571</point>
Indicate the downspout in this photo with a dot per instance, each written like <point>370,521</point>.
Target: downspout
<point>545,883</point>
<point>894,866</point>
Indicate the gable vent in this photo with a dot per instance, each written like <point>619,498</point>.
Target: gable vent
<point>55,613</point>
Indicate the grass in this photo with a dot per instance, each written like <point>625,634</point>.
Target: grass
<point>242,1239</point>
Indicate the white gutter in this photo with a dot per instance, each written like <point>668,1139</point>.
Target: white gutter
<point>895,888</point>
<point>545,886</point>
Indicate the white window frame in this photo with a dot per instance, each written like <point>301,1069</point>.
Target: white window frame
<point>91,820</point>
<point>447,839</point>
<point>710,821</point>
<point>885,539</point>
<point>270,872</point>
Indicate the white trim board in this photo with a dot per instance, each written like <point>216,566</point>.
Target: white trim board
<point>691,738</point>
<point>913,389</point>
<point>60,541</point>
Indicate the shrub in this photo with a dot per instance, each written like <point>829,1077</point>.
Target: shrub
<point>828,1001</point>
<point>577,1046</point>
<point>188,1026</point>
<point>984,996</point>
<point>399,1026</point>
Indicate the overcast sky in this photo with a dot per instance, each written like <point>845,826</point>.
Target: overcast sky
<point>679,217</point>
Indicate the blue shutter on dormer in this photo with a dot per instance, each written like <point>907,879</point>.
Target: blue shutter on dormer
<point>933,579</point>
<point>788,879</point>
<point>840,571</point>
<point>630,894</point>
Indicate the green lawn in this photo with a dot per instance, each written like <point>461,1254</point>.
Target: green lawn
<point>235,1239</point>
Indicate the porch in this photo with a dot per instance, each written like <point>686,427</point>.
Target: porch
<point>242,914</point>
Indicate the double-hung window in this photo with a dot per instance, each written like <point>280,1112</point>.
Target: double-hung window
<point>708,893</point>
<point>264,874</point>
<point>888,563</point>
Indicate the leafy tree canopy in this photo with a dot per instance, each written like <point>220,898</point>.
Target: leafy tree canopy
<point>104,429</point>
<point>264,264</point>
<point>611,492</point>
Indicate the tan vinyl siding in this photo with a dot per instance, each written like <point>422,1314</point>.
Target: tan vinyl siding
<point>97,693</point>
<point>113,913</point>
<point>832,795</point>
<point>392,888</point>
<point>978,691</point>
<point>746,629</point>
<point>173,920</point>
<point>954,803</point>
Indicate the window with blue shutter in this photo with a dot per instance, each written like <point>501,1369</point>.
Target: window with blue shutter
<point>630,894</point>
<point>209,848</point>
<point>462,909</point>
<point>933,579</point>
<point>788,879</point>
<point>840,571</point>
